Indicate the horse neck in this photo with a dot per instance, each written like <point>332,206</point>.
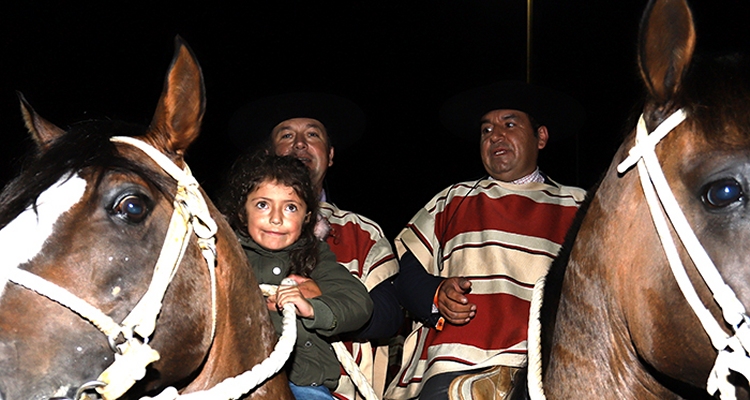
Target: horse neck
<point>592,352</point>
<point>244,335</point>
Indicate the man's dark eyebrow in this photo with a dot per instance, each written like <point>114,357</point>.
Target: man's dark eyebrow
<point>504,117</point>
<point>287,127</point>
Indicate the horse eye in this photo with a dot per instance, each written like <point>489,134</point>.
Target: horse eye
<point>132,208</point>
<point>722,193</point>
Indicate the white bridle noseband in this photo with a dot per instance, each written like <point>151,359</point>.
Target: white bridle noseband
<point>732,349</point>
<point>191,215</point>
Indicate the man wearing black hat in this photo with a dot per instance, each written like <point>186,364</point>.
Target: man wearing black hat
<point>307,126</point>
<point>470,258</point>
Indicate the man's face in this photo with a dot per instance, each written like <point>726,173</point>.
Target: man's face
<point>306,139</point>
<point>509,145</point>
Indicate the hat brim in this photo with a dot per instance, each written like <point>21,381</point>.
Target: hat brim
<point>561,114</point>
<point>251,125</point>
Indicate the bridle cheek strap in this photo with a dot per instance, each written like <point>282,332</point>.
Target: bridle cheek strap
<point>190,215</point>
<point>732,350</point>
<point>133,356</point>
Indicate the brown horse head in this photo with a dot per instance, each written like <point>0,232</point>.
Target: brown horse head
<point>623,327</point>
<point>90,216</point>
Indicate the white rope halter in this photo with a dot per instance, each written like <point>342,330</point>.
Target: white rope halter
<point>191,215</point>
<point>732,350</point>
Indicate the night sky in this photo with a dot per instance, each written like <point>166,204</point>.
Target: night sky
<point>399,61</point>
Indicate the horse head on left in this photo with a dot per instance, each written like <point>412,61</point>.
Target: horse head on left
<point>118,275</point>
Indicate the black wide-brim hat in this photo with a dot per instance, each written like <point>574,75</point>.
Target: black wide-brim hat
<point>251,125</point>
<point>561,114</point>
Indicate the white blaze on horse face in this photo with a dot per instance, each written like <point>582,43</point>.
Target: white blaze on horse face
<point>24,237</point>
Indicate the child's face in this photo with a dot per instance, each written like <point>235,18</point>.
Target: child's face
<point>275,215</point>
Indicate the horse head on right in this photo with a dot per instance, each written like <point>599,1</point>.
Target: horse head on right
<point>653,297</point>
<point>82,229</point>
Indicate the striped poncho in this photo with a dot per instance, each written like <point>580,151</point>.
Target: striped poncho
<point>361,247</point>
<point>500,236</point>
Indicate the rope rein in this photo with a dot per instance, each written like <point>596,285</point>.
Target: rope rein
<point>342,354</point>
<point>665,211</point>
<point>534,343</point>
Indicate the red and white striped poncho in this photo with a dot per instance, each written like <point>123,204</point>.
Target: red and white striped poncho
<point>502,237</point>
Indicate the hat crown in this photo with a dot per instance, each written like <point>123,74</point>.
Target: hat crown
<point>563,115</point>
<point>253,123</point>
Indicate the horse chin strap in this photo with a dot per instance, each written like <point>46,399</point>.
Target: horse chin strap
<point>732,350</point>
<point>133,355</point>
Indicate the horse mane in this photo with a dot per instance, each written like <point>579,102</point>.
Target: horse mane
<point>86,144</point>
<point>554,279</point>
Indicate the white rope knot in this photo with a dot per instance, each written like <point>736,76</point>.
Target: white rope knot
<point>128,368</point>
<point>646,144</point>
<point>188,193</point>
<point>732,358</point>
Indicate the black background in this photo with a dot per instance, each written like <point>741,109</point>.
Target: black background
<point>397,60</point>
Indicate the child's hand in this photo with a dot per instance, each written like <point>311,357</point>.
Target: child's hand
<point>271,303</point>
<point>292,294</point>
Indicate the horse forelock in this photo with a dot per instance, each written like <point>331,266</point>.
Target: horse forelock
<point>716,96</point>
<point>86,146</point>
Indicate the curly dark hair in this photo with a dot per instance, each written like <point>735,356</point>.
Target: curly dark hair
<point>252,169</point>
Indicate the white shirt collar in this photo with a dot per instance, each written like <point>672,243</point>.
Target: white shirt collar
<point>535,176</point>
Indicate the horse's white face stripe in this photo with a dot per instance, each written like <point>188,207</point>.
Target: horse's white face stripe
<point>24,237</point>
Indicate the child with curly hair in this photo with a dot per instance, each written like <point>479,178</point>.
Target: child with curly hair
<point>271,205</point>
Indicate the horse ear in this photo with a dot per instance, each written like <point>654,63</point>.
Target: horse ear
<point>666,44</point>
<point>42,131</point>
<point>180,110</point>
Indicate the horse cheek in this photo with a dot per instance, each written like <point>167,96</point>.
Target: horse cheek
<point>187,309</point>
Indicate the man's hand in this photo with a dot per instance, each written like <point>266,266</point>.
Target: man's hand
<point>452,303</point>
<point>307,286</point>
